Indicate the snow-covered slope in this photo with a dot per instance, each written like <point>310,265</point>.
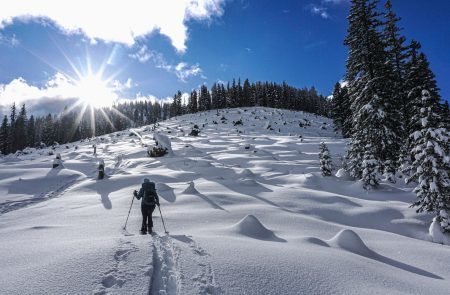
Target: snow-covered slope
<point>246,206</point>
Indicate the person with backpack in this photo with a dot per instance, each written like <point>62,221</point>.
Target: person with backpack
<point>149,202</point>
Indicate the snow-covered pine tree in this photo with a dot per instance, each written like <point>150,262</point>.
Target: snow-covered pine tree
<point>370,167</point>
<point>431,163</point>
<point>445,115</point>
<point>418,77</point>
<point>397,55</point>
<point>370,78</point>
<point>326,165</point>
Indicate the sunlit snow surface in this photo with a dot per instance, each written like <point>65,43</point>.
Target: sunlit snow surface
<point>246,207</point>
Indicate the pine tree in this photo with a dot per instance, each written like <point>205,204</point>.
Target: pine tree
<point>4,130</point>
<point>246,94</point>
<point>205,99</point>
<point>48,136</point>
<point>31,134</point>
<point>419,77</point>
<point>12,139</point>
<point>370,78</point>
<point>445,115</point>
<point>397,55</point>
<point>370,167</point>
<point>215,96</point>
<point>326,165</point>
<point>340,109</point>
<point>193,102</point>
<point>431,166</point>
<point>21,129</point>
<point>176,108</point>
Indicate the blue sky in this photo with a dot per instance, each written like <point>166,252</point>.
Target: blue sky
<point>150,49</point>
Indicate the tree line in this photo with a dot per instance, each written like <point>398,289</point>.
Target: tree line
<point>246,94</point>
<point>19,131</point>
<point>391,109</point>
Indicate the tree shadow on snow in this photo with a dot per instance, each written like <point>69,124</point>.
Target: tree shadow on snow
<point>380,258</point>
<point>403,266</point>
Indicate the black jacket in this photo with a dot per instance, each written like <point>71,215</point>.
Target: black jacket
<point>148,187</point>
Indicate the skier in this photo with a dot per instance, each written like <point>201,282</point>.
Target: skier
<point>149,201</point>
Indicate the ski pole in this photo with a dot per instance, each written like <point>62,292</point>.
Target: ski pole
<point>165,230</point>
<point>125,227</point>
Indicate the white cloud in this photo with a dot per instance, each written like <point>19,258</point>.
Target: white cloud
<point>318,10</point>
<point>182,70</point>
<point>11,41</point>
<point>57,92</point>
<point>119,86</point>
<point>185,71</point>
<point>121,21</point>
<point>142,55</point>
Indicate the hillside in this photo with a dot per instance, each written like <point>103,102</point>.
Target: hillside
<point>246,207</point>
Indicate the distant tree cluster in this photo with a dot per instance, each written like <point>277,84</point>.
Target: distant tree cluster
<point>19,131</point>
<point>391,108</point>
<point>237,94</point>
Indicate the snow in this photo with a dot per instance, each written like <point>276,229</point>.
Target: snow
<point>164,142</point>
<point>436,233</point>
<point>251,227</point>
<point>349,240</point>
<point>242,221</point>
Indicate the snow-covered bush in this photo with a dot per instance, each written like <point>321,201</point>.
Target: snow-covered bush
<point>238,122</point>
<point>157,151</point>
<point>162,147</point>
<point>195,131</point>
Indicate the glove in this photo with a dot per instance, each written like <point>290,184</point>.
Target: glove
<point>157,203</point>
<point>135,193</point>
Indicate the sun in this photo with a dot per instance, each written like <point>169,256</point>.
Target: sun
<point>94,91</point>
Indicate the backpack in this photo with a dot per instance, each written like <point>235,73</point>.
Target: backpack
<point>149,193</point>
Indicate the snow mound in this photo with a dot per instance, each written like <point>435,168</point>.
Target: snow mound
<point>191,190</point>
<point>437,236</point>
<point>251,227</point>
<point>164,142</point>
<point>349,240</point>
<point>343,174</point>
<point>247,173</point>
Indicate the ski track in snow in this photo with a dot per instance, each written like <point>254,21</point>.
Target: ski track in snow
<point>165,278</point>
<point>175,265</point>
